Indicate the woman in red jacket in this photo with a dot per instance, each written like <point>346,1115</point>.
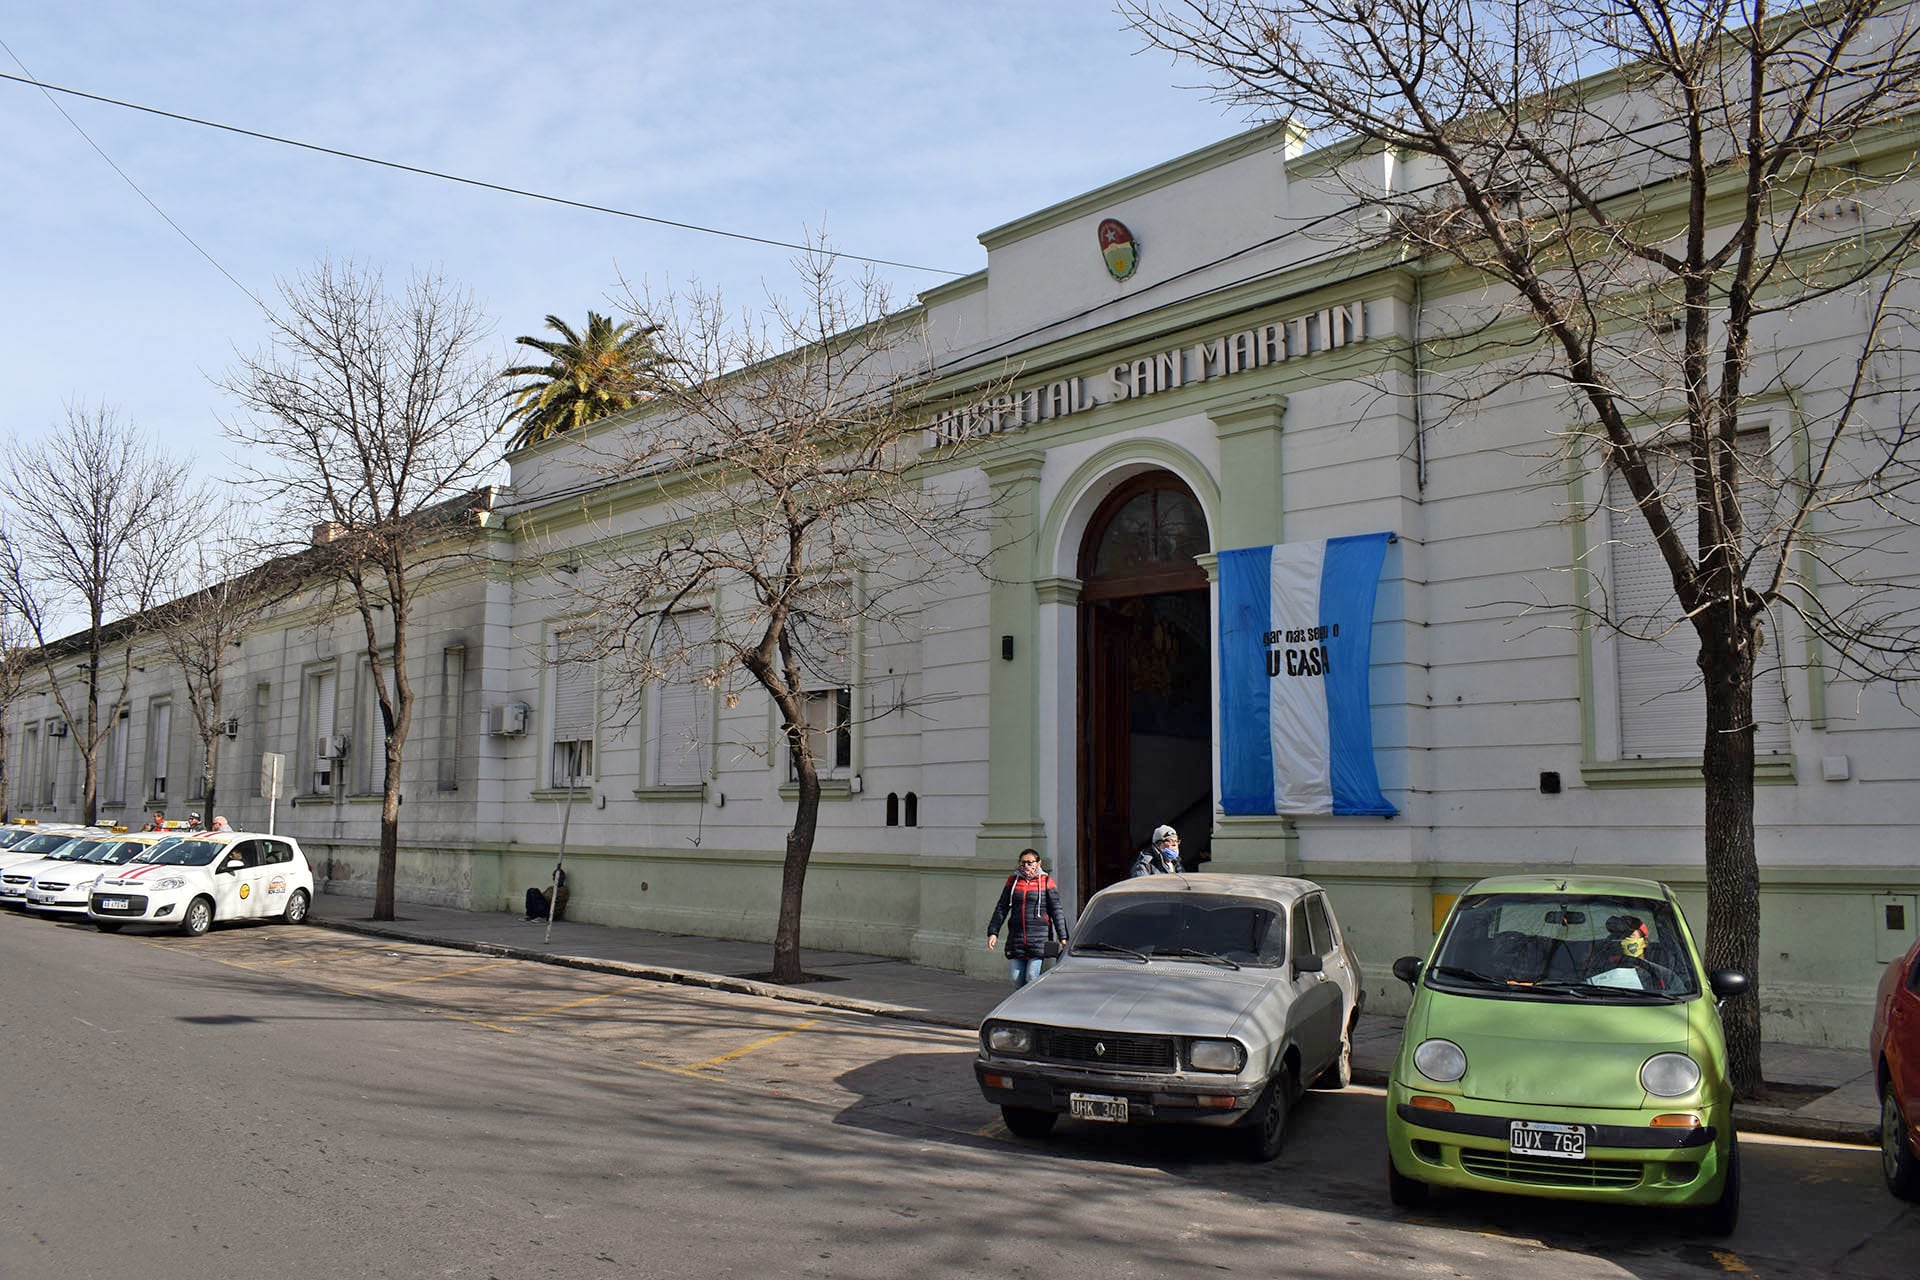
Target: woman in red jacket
<point>1029,906</point>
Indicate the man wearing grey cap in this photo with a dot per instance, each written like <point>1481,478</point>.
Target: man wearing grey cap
<point>1161,857</point>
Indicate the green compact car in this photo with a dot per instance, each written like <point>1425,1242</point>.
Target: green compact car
<point>1565,1042</point>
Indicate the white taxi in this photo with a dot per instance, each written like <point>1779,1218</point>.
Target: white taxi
<point>188,882</point>
<point>15,878</point>
<point>61,888</point>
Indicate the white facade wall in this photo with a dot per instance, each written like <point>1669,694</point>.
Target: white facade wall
<point>1485,675</point>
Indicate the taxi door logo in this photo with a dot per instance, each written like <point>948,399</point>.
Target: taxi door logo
<point>245,889</point>
<point>1118,247</point>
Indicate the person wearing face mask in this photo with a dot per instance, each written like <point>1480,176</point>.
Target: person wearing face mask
<point>1029,907</point>
<point>1161,857</point>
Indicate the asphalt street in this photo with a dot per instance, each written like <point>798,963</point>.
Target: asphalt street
<point>277,1101</point>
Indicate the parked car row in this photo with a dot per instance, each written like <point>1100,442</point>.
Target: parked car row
<point>184,881</point>
<point>1564,1039</point>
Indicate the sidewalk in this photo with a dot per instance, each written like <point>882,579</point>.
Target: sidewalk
<point>1827,1093</point>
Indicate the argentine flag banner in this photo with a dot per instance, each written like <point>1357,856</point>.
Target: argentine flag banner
<point>1296,637</point>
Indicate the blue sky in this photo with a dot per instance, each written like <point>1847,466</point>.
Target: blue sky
<point>905,127</point>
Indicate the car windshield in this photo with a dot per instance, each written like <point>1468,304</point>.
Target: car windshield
<point>185,851</point>
<point>44,843</point>
<point>1565,946</point>
<point>1209,928</point>
<point>78,851</point>
<point>113,852</point>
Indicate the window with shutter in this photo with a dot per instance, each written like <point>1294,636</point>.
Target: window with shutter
<point>453,676</point>
<point>159,730</point>
<point>115,789</point>
<point>822,639</point>
<point>368,750</point>
<point>29,763</point>
<point>573,717</point>
<point>683,700</point>
<point>1662,708</point>
<point>318,744</point>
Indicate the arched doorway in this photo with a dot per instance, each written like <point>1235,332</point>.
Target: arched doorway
<point>1146,677</point>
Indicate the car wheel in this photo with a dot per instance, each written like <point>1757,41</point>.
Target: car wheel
<point>107,926</point>
<point>1720,1217</point>
<point>296,912</point>
<point>198,919</point>
<point>1405,1192</point>
<point>1898,1163</point>
<point>1266,1125</point>
<point>1026,1122</point>
<point>1340,1074</point>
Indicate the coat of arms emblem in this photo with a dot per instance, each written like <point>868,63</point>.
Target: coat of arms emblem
<point>1118,247</point>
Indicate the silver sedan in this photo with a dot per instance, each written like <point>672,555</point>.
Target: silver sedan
<point>1194,999</point>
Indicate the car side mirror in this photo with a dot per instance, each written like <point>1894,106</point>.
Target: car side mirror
<point>1308,964</point>
<point>234,864</point>
<point>1407,969</point>
<point>1727,983</point>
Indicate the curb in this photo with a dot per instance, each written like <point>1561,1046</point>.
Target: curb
<point>657,973</point>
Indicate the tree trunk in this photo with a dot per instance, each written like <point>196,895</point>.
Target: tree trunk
<point>1733,870</point>
<point>389,862</point>
<point>793,875</point>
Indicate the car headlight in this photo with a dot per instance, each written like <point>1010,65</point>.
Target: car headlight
<point>172,882</point>
<point>1215,1055</point>
<point>1002,1038</point>
<point>1441,1060</point>
<point>1668,1075</point>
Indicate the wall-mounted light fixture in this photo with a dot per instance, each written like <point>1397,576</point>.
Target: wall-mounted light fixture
<point>1006,648</point>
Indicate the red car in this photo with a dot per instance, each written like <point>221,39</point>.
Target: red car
<point>1895,1045</point>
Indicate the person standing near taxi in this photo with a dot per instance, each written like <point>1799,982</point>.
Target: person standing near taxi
<point>1029,907</point>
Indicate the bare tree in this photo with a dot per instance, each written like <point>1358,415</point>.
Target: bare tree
<point>98,518</point>
<point>373,417</point>
<point>15,667</point>
<point>1657,190</point>
<point>786,460</point>
<point>217,590</point>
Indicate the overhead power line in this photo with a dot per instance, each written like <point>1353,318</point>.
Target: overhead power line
<point>470,182</point>
<point>125,177</point>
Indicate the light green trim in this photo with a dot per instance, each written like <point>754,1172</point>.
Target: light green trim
<point>1179,169</point>
<point>952,290</point>
<point>1251,470</point>
<point>1013,688</point>
<point>830,789</point>
<point>680,792</point>
<point>1170,457</point>
<point>561,793</point>
<point>1676,771</point>
<point>1057,590</point>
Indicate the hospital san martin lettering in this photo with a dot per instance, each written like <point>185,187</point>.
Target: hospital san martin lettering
<point>1266,344</point>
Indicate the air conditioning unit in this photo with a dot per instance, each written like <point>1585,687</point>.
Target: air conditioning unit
<point>56,728</point>
<point>231,726</point>
<point>507,719</point>
<point>327,749</point>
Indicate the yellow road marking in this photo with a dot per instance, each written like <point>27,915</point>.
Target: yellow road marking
<point>574,1004</point>
<point>477,1022</point>
<point>1730,1261</point>
<point>435,977</point>
<point>757,1044</point>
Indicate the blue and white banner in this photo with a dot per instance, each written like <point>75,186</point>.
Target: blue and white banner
<point>1296,638</point>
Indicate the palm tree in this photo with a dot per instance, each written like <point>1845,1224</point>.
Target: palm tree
<point>587,378</point>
